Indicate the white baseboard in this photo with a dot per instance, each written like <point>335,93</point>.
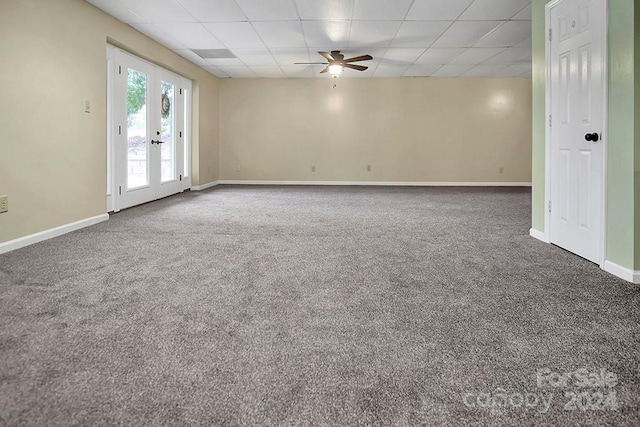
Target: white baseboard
<point>21,242</point>
<point>380,183</point>
<point>204,186</point>
<point>622,272</point>
<point>540,235</point>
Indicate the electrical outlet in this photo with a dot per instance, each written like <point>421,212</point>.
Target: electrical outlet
<point>313,168</point>
<point>368,168</point>
<point>4,204</point>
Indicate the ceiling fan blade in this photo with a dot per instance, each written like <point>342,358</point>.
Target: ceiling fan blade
<point>355,67</point>
<point>359,58</point>
<point>310,63</point>
<point>325,69</point>
<point>327,56</point>
<point>337,55</point>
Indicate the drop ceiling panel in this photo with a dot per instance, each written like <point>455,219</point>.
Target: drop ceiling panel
<point>326,34</point>
<point>436,10</point>
<point>452,70</point>
<point>508,34</point>
<point>405,37</point>
<point>255,56</point>
<point>465,34</point>
<point>372,33</point>
<point>419,33</point>
<point>213,11</point>
<point>235,34</point>
<point>492,10</point>
<point>191,35</point>
<point>279,34</point>
<point>325,9</point>
<point>439,55</point>
<point>377,10</point>
<point>154,11</point>
<point>158,35</point>
<point>274,10</point>
<point>476,55</point>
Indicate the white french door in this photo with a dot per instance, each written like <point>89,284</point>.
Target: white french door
<point>149,140</point>
<point>576,125</point>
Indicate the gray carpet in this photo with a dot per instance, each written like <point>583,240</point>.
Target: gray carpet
<point>316,305</point>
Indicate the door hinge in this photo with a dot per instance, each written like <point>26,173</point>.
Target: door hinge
<point>180,134</point>
<point>549,120</point>
<point>549,205</point>
<point>119,69</point>
<point>550,34</point>
<point>120,189</point>
<point>180,91</point>
<point>180,177</point>
<point>119,130</point>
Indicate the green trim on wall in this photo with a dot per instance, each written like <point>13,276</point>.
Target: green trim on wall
<point>538,113</point>
<point>636,170</point>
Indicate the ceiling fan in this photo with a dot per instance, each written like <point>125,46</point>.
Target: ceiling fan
<point>337,63</point>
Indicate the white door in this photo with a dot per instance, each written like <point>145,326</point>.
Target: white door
<point>149,132</point>
<point>576,125</point>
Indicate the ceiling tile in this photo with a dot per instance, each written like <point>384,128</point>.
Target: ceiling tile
<point>525,43</point>
<point>510,55</point>
<point>328,9</point>
<point>298,71</point>
<point>191,56</point>
<point>508,34</point>
<point>159,10</point>
<point>287,57</point>
<point>524,14</point>
<point>390,70</point>
<point>238,71</point>
<point>216,71</point>
<point>452,70</point>
<point>326,34</point>
<point>279,34</point>
<point>214,11</point>
<point>158,35</point>
<point>255,56</point>
<point>465,34</point>
<point>419,33</point>
<point>484,70</point>
<point>476,55</point>
<point>235,34</point>
<point>118,11</point>
<point>273,10</point>
<point>224,62</point>
<point>421,70</point>
<point>267,71</point>
<point>191,35</point>
<point>372,33</point>
<point>402,55</point>
<point>437,10</point>
<point>492,10</point>
<point>368,10</point>
<point>439,55</point>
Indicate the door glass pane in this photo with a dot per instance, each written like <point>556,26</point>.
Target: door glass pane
<point>137,158</point>
<point>167,131</point>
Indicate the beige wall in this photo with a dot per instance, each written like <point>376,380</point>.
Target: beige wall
<point>407,129</point>
<point>52,153</point>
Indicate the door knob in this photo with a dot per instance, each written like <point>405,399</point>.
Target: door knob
<point>592,137</point>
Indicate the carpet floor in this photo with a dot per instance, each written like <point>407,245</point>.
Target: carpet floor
<point>316,305</point>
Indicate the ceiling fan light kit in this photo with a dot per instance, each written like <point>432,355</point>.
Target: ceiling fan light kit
<point>337,63</point>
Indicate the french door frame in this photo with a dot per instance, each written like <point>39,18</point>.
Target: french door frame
<point>117,161</point>
<point>604,16</point>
